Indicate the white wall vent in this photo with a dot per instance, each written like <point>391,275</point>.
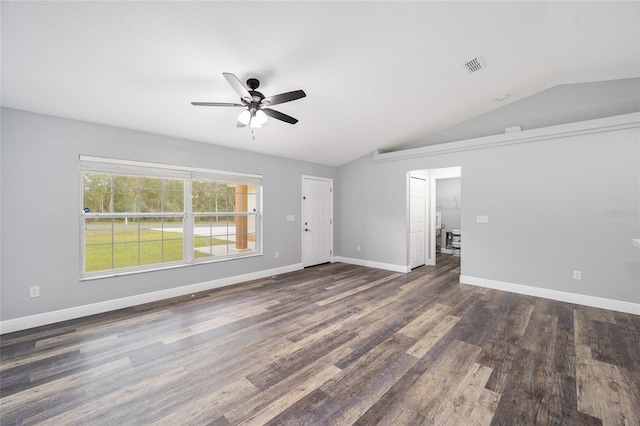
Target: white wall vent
<point>475,64</point>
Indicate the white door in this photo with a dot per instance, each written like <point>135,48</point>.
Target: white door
<point>417,221</point>
<point>317,220</point>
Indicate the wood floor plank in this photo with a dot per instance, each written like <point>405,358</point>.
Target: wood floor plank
<point>362,383</point>
<point>317,372</point>
<point>397,414</point>
<point>29,402</point>
<point>500,349</point>
<point>433,392</point>
<point>425,321</point>
<point>606,391</point>
<point>120,404</point>
<point>356,290</point>
<point>204,406</point>
<point>540,334</point>
<point>233,314</point>
<point>425,343</point>
<point>289,364</point>
<point>320,376</point>
<point>471,402</point>
<point>330,345</point>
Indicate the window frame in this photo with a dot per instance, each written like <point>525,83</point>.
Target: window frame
<point>100,165</point>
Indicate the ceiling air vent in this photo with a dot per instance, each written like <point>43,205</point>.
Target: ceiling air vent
<point>476,64</point>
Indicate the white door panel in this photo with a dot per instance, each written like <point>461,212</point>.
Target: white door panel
<point>317,226</point>
<point>417,221</point>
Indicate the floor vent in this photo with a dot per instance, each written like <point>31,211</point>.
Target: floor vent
<point>476,64</point>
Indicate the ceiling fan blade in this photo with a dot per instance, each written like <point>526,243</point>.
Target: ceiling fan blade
<point>222,104</point>
<point>238,86</point>
<point>284,97</point>
<point>241,124</point>
<point>279,116</point>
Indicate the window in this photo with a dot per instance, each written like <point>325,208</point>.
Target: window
<point>224,217</point>
<point>139,216</point>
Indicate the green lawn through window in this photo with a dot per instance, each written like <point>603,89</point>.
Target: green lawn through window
<point>124,248</point>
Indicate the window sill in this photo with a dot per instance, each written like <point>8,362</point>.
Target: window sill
<point>124,272</point>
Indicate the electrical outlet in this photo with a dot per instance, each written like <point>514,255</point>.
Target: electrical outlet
<point>34,291</point>
<point>577,275</point>
<point>277,254</point>
<point>358,248</point>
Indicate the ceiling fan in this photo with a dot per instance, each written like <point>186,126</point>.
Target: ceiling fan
<point>256,112</point>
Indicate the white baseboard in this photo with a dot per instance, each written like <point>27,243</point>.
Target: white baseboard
<point>38,320</point>
<point>371,264</point>
<point>579,299</point>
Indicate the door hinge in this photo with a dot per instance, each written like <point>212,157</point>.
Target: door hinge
<point>331,252</point>
<point>330,189</point>
<point>330,221</point>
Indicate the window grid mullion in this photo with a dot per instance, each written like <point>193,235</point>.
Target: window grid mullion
<point>188,223</point>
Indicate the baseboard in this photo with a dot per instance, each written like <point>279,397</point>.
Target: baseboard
<point>371,264</point>
<point>579,299</point>
<point>38,320</point>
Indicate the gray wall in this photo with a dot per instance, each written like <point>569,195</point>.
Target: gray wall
<point>567,103</point>
<point>446,189</point>
<point>40,209</point>
<point>547,203</point>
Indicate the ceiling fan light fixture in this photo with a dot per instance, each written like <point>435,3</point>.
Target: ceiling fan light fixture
<point>255,124</point>
<point>244,117</point>
<point>260,117</point>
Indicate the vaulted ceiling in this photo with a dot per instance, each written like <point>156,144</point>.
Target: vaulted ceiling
<point>376,74</point>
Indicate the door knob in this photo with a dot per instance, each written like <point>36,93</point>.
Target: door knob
<point>307,229</point>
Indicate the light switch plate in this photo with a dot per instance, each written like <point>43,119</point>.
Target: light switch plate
<point>291,218</point>
<point>482,219</point>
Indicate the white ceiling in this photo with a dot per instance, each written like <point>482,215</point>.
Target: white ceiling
<point>376,74</point>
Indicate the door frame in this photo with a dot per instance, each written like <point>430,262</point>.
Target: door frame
<point>431,175</point>
<point>435,174</point>
<point>330,181</point>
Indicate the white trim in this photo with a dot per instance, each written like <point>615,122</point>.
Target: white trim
<point>170,167</point>
<point>562,296</point>
<point>372,264</point>
<point>625,121</point>
<point>31,321</point>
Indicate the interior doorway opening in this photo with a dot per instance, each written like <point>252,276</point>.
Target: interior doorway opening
<point>435,239</point>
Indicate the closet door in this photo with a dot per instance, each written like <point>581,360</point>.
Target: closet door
<point>417,221</point>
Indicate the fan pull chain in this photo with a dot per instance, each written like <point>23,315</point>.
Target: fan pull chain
<point>252,135</point>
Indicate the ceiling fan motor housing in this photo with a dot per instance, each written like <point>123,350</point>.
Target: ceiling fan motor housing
<point>257,96</point>
<point>253,83</point>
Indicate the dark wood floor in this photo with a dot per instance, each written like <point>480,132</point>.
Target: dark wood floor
<point>335,344</point>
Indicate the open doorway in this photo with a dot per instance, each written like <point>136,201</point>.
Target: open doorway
<point>447,181</point>
<point>448,204</point>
